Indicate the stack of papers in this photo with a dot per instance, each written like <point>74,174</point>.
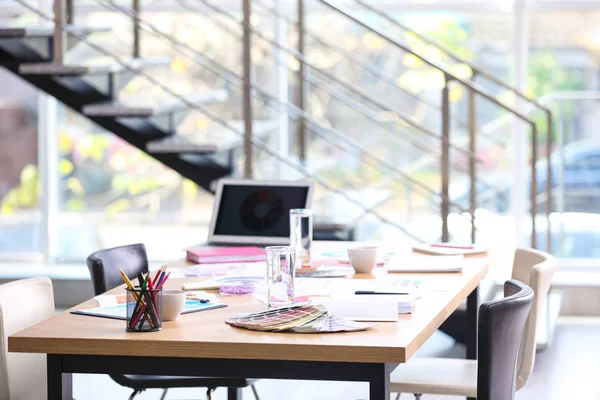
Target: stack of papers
<point>299,319</point>
<point>368,307</point>
<point>452,263</point>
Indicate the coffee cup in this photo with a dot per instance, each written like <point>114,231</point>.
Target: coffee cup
<point>363,258</point>
<point>173,303</point>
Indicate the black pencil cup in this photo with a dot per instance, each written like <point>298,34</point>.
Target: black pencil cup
<point>144,310</point>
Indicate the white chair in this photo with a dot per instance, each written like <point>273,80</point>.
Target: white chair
<point>22,304</point>
<point>458,377</point>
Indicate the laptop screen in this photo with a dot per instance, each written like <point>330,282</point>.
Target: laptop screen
<point>258,210</point>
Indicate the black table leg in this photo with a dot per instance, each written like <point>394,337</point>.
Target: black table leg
<point>234,394</point>
<point>60,385</point>
<point>379,382</point>
<point>471,337</point>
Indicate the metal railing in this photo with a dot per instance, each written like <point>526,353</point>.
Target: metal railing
<point>298,111</point>
<point>255,143</point>
<point>474,90</point>
<point>477,71</point>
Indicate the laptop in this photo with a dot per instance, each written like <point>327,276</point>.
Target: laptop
<point>251,212</point>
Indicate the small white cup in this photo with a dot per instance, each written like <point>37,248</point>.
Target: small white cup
<point>363,258</point>
<point>173,302</point>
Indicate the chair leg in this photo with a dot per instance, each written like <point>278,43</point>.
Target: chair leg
<point>418,396</point>
<point>398,396</point>
<point>164,394</point>
<point>135,393</point>
<point>254,392</point>
<point>208,393</point>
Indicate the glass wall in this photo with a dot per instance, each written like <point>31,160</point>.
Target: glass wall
<point>19,175</point>
<point>564,68</point>
<point>111,193</point>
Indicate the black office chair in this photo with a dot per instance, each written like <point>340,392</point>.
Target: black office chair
<point>104,268</point>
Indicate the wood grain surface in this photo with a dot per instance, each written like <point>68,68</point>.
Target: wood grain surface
<point>206,335</point>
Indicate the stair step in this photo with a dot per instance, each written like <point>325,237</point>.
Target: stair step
<point>199,99</point>
<point>99,69</point>
<point>124,111</point>
<point>115,110</point>
<point>217,142</point>
<point>48,31</point>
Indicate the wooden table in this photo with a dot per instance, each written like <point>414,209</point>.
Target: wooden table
<point>201,344</point>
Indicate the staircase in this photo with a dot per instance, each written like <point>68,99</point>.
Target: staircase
<point>241,142</point>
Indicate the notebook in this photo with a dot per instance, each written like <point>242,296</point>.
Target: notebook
<point>452,263</point>
<point>447,249</point>
<point>214,255</point>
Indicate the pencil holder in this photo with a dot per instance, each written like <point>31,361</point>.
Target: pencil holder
<point>144,310</point>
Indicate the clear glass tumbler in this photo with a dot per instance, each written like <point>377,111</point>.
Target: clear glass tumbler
<point>301,233</point>
<point>281,265</point>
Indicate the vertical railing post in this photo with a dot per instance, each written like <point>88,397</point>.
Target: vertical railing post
<point>549,183</point>
<point>301,84</point>
<point>59,45</point>
<point>283,85</point>
<point>136,28</point>
<point>472,159</point>
<point>247,95</point>
<point>445,165</point>
<point>534,184</point>
<point>70,12</point>
<point>560,179</point>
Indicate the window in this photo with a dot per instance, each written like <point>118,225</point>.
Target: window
<point>19,175</point>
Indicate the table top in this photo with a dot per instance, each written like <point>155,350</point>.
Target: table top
<point>206,335</point>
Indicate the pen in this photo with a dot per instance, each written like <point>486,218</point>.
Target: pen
<point>452,246</point>
<point>375,292</point>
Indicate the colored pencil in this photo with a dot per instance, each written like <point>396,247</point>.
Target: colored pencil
<point>162,283</point>
<point>137,307</point>
<point>160,279</point>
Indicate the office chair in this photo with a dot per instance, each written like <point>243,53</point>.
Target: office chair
<point>459,377</point>
<point>104,268</point>
<point>23,303</point>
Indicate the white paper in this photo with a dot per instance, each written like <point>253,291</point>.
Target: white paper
<point>361,308</point>
<point>426,264</point>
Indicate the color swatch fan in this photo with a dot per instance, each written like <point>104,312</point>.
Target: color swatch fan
<point>300,319</point>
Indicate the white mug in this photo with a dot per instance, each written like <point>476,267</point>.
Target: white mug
<point>363,258</point>
<point>173,302</point>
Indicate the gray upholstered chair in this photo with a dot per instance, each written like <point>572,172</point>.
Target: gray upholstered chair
<point>459,377</point>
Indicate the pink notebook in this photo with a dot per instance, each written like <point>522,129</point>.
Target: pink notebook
<point>226,255</point>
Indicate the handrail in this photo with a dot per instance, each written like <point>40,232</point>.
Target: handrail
<point>211,115</point>
<point>318,82</point>
<point>232,78</point>
<point>475,68</point>
<point>367,65</point>
<point>478,71</point>
<point>476,89</point>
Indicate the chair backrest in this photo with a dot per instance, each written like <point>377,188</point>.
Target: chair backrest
<point>535,269</point>
<point>23,303</point>
<point>104,265</point>
<point>501,326</point>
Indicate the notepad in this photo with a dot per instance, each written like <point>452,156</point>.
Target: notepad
<point>452,263</point>
<point>441,250</point>
<point>361,308</point>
